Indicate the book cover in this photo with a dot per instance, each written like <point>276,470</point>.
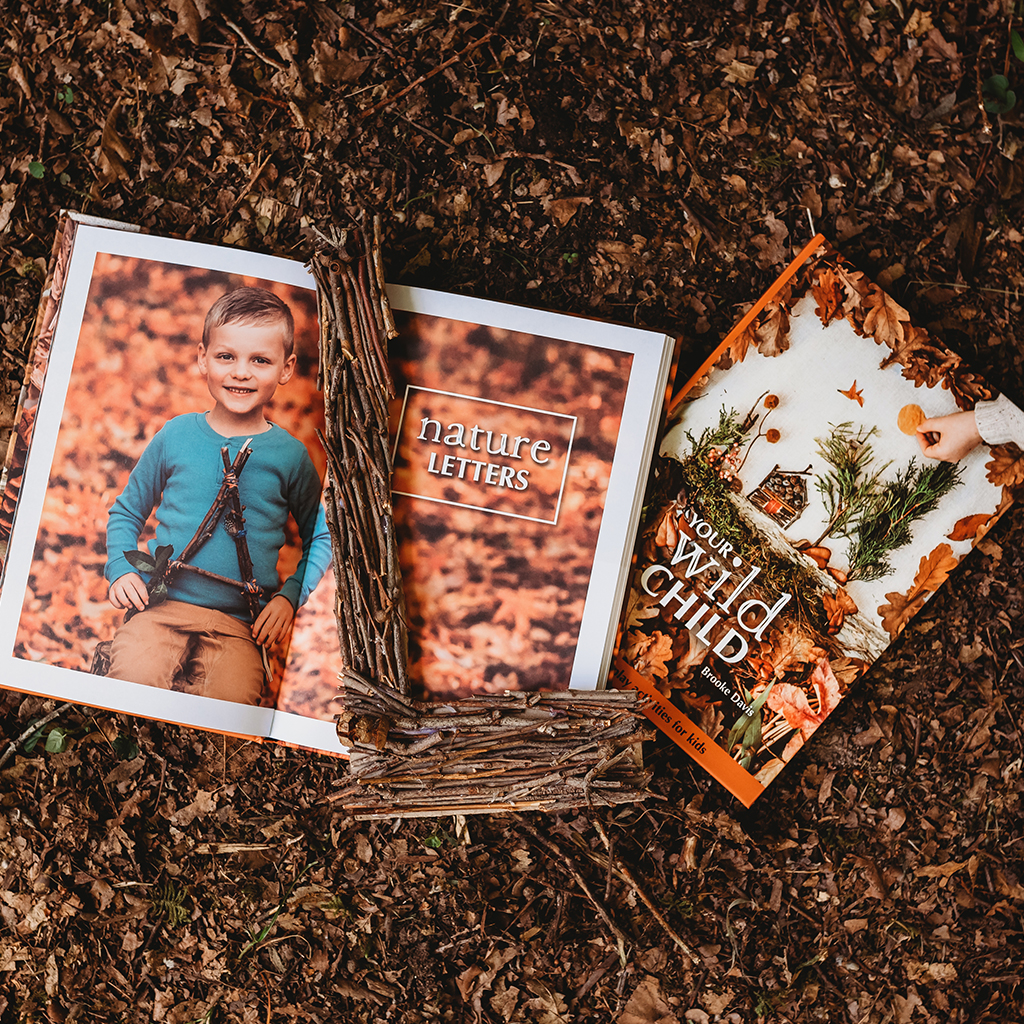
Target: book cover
<point>522,440</point>
<point>114,360</point>
<point>795,522</point>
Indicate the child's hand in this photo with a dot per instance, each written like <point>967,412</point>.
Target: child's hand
<point>949,438</point>
<point>272,625</point>
<point>129,591</point>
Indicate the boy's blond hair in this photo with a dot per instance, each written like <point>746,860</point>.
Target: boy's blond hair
<point>255,307</point>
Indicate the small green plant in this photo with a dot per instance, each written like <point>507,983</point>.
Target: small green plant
<point>258,936</point>
<point>747,729</point>
<point>849,484</point>
<point>65,95</point>
<point>1000,98</point>
<point>56,741</point>
<point>125,747</point>
<point>169,901</point>
<point>438,838</point>
<point>37,169</point>
<point>885,523</point>
<point>728,432</point>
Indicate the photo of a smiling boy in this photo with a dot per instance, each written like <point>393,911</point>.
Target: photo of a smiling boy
<point>222,484</point>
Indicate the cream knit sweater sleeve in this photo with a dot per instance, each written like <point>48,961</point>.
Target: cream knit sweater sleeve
<point>1000,421</point>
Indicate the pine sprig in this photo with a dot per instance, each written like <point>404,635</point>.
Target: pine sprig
<point>885,523</point>
<point>728,432</point>
<point>849,486</point>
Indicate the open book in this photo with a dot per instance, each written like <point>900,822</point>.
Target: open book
<point>794,524</point>
<point>114,364</point>
<point>521,445</point>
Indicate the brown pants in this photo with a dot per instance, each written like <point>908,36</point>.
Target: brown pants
<point>185,647</point>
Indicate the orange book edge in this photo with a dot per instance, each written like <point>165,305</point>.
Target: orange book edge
<point>748,318</point>
<point>658,710</point>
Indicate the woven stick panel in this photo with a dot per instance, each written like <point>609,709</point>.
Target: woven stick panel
<point>540,751</point>
<point>410,758</point>
<point>355,325</point>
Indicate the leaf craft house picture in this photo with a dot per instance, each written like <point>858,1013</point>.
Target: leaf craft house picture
<point>172,491</point>
<point>793,525</point>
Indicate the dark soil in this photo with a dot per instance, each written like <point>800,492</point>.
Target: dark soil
<point>656,163</point>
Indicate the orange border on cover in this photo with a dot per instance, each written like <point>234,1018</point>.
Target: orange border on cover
<point>697,743</point>
<point>805,253</point>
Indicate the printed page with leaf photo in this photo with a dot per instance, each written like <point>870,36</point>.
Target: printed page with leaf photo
<point>522,442</point>
<point>166,550</point>
<point>818,480</point>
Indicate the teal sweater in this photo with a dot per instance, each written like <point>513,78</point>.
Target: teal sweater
<point>179,475</point>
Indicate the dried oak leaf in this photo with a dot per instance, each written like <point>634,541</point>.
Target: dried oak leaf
<point>848,670</point>
<point>837,608</point>
<point>771,245</point>
<point>640,606</point>
<point>773,330</point>
<point>914,339</point>
<point>931,574</point>
<point>855,285</point>
<point>112,152</point>
<point>648,654</point>
<point>929,365</point>
<point>1006,469</point>
<point>741,342</point>
<point>790,647</point>
<point>828,293</point>
<point>647,1005</point>
<point>970,527</point>
<point>667,533</point>
<point>885,318</point>
<point>967,387</point>
<point>189,19</point>
<point>563,210</point>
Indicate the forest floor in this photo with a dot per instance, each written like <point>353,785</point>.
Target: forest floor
<point>651,162</point>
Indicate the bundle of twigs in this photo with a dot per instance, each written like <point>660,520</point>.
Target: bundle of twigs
<point>547,751</point>
<point>488,752</point>
<point>355,325</point>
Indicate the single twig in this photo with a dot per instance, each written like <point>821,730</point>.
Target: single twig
<point>620,937</point>
<point>627,876</point>
<point>378,107</point>
<point>237,29</point>
<point>12,747</point>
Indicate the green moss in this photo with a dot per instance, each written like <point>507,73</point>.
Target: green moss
<point>712,496</point>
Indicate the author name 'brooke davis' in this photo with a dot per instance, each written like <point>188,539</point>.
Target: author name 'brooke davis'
<point>465,467</point>
<point>752,616</point>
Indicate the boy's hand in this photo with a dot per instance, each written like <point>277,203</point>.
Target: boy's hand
<point>949,438</point>
<point>129,591</point>
<point>274,621</point>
